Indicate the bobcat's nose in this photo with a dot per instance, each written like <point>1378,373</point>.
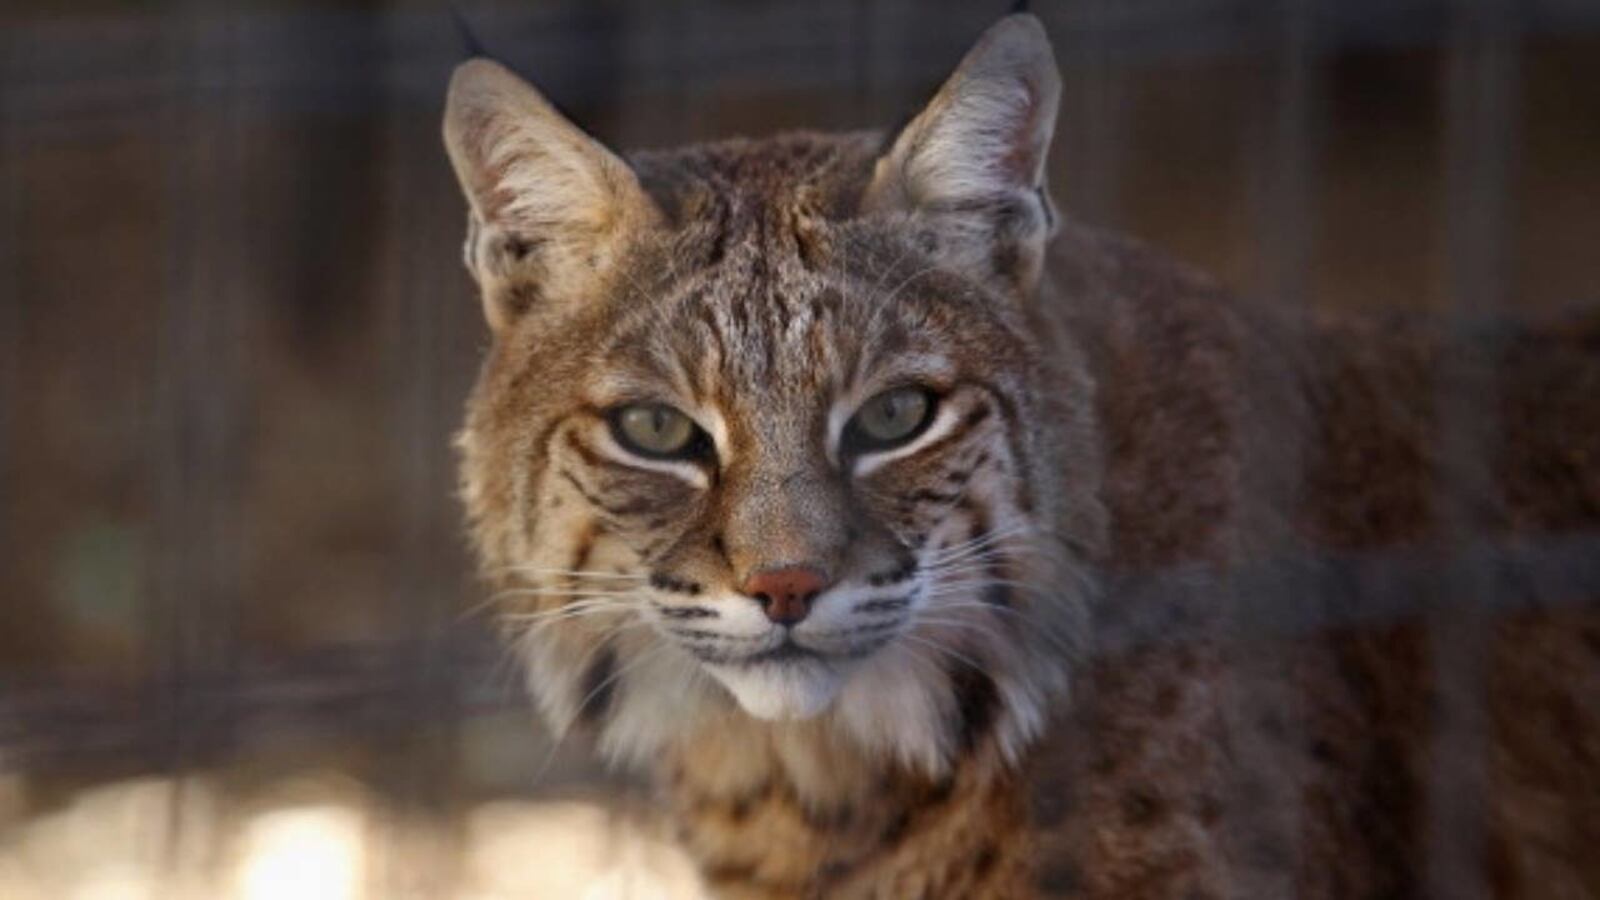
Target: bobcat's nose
<point>785,592</point>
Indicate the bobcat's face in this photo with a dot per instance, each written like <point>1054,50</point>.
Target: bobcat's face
<point>774,413</point>
<point>797,462</point>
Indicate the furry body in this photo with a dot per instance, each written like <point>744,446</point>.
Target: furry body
<point>1102,418</point>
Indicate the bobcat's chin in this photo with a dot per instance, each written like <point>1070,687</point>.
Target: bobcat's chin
<point>787,689</point>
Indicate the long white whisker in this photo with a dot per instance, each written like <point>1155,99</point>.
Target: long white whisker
<point>941,648</point>
<point>985,540</point>
<point>588,698</point>
<point>545,592</point>
<point>574,573</point>
<point>567,613</point>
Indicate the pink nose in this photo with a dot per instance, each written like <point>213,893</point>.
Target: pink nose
<point>785,593</point>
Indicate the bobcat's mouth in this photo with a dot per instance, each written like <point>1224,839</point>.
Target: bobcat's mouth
<point>787,651</point>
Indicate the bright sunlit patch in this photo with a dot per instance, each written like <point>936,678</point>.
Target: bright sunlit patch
<point>302,853</point>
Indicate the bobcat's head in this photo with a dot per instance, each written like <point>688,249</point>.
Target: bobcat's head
<point>777,423</point>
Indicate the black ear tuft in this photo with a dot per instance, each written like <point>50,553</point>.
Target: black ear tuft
<point>471,47</point>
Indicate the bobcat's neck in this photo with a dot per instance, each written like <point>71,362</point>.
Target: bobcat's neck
<point>786,811</point>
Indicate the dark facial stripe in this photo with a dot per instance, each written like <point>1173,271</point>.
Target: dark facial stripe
<point>882,604</point>
<point>590,456</point>
<point>1008,411</point>
<point>583,548</point>
<point>615,511</point>
<point>895,576</point>
<point>673,585</point>
<point>685,612</point>
<point>697,634</point>
<point>995,593</point>
<point>926,495</point>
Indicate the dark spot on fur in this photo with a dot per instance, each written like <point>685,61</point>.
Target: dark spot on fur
<point>519,297</point>
<point>516,247</point>
<point>1141,808</point>
<point>729,873</point>
<point>997,595</point>
<point>977,702</point>
<point>599,686</point>
<point>984,863</point>
<point>1166,700</point>
<point>1060,878</point>
<point>896,829</point>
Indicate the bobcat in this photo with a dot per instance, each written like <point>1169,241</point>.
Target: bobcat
<point>815,473</point>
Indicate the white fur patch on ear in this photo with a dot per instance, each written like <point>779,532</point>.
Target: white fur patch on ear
<point>974,159</point>
<point>986,134</point>
<point>549,203</point>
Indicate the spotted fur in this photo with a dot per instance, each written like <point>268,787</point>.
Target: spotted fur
<point>1097,419</point>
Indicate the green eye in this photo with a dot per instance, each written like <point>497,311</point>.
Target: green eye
<point>655,430</point>
<point>888,420</point>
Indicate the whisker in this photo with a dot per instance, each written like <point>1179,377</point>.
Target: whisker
<point>983,628</point>
<point>566,613</point>
<point>588,698</point>
<point>987,539</point>
<point>551,592</point>
<point>572,573</point>
<point>941,648</point>
<point>959,587</point>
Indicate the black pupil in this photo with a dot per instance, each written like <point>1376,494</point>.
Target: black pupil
<point>894,409</point>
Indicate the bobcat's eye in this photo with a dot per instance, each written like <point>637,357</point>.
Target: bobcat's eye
<point>888,420</point>
<point>656,431</point>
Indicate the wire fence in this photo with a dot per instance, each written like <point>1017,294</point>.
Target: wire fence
<point>234,338</point>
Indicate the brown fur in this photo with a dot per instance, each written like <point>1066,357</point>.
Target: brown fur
<point>1232,732</point>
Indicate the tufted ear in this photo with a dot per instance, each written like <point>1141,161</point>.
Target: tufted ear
<point>551,209</point>
<point>970,168</point>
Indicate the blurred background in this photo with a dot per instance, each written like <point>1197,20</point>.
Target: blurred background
<point>239,651</point>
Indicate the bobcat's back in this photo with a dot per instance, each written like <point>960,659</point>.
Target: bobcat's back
<point>1293,691</point>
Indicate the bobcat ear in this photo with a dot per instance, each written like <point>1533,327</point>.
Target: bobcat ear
<point>971,166</point>
<point>551,209</point>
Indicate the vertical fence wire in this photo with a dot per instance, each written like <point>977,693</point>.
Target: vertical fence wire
<point>1263,708</point>
<point>195,431</point>
<point>195,437</point>
<point>1481,83</point>
<point>11,195</point>
<point>1104,100</point>
<point>415,301</point>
